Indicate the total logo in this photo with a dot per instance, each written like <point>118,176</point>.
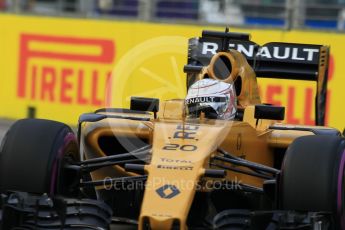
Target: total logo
<point>168,191</point>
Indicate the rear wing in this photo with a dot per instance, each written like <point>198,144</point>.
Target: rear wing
<point>272,60</point>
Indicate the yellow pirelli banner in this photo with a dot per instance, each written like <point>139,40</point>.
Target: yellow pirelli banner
<point>61,68</point>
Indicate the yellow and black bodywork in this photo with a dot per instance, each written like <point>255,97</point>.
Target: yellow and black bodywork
<point>182,159</point>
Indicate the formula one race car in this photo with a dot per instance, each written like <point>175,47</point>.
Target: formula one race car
<point>175,164</point>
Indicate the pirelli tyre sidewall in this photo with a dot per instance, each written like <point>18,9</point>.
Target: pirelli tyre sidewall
<point>313,178</point>
<point>32,156</point>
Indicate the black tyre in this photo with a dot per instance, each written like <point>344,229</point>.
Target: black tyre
<point>32,156</point>
<point>313,176</point>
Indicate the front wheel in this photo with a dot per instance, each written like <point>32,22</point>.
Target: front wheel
<point>313,178</point>
<point>32,156</point>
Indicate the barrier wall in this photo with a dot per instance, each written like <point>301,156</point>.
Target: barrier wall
<point>60,68</point>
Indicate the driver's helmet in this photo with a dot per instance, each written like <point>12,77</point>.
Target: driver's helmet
<point>215,98</point>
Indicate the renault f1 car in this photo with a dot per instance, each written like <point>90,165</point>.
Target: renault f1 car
<point>153,167</point>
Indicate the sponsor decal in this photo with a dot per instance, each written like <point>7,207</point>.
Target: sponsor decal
<point>186,131</point>
<point>175,161</point>
<point>269,51</point>
<point>175,164</point>
<point>64,69</point>
<point>168,191</point>
<point>174,167</point>
<point>161,215</point>
<point>210,99</point>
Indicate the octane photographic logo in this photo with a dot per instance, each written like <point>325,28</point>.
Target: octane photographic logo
<point>150,69</point>
<point>167,189</point>
<point>154,69</point>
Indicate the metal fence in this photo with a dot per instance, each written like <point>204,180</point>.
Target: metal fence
<point>285,14</point>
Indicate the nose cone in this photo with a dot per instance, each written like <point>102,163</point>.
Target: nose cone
<point>179,154</point>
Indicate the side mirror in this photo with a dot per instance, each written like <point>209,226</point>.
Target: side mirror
<point>145,104</point>
<point>270,112</point>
